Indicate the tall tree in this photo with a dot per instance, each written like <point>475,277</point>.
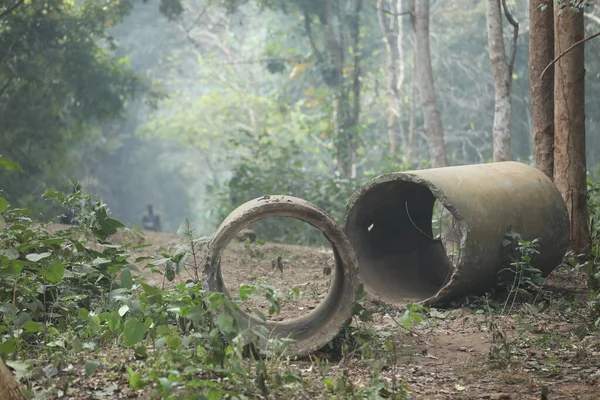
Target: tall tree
<point>541,52</point>
<point>58,82</point>
<point>434,129</point>
<point>333,31</point>
<point>503,69</point>
<point>569,121</point>
<point>391,25</point>
<point>340,27</point>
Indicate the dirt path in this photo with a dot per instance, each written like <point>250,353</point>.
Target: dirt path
<point>470,351</point>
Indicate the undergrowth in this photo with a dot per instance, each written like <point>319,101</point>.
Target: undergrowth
<point>72,295</point>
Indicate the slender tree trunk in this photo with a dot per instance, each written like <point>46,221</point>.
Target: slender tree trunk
<point>500,67</point>
<point>541,53</point>
<point>412,126</point>
<point>400,61</point>
<point>569,123</point>
<point>390,41</point>
<point>9,389</point>
<point>346,103</point>
<point>431,113</point>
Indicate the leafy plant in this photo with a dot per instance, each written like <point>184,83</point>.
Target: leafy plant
<point>525,278</point>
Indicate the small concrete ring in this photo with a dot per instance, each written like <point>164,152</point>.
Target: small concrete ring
<point>314,330</point>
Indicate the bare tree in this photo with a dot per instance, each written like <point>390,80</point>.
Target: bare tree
<point>569,122</point>
<point>541,52</point>
<point>431,111</point>
<point>9,390</point>
<point>502,68</point>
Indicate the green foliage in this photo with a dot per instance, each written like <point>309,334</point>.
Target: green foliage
<point>284,169</point>
<point>49,277</point>
<point>523,276</point>
<point>71,292</point>
<point>593,264</point>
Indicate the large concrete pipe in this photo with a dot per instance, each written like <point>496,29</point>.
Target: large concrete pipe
<point>316,329</point>
<point>389,223</point>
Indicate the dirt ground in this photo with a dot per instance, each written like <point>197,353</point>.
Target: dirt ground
<point>468,351</point>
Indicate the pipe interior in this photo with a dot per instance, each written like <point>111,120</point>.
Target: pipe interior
<point>399,236</point>
<point>287,269</point>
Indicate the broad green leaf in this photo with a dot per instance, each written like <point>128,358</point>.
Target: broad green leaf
<point>22,318</point>
<point>35,257</point>
<point>194,313</point>
<point>3,204</point>
<point>225,322</point>
<point>134,332</point>
<point>9,164</point>
<point>215,300</point>
<point>135,379</point>
<point>141,352</point>
<point>330,384</point>
<point>126,279</point>
<point>14,267</point>
<point>114,320</point>
<point>76,345</point>
<point>91,366</point>
<point>149,289</point>
<point>174,341</point>
<point>54,272</point>
<point>148,322</point>
<point>31,326</point>
<point>9,309</point>
<point>165,383</point>
<point>8,346</point>
<point>246,291</point>
<point>2,223</point>
<point>11,253</point>
<point>52,241</point>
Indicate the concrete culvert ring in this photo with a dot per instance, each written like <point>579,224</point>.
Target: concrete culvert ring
<point>389,223</point>
<point>314,330</point>
<point>390,226</point>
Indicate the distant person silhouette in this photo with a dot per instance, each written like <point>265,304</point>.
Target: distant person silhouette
<point>151,221</point>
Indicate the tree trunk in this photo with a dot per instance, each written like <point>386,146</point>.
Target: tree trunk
<point>541,52</point>
<point>391,30</point>
<point>9,389</point>
<point>412,128</point>
<point>431,112</point>
<point>389,40</point>
<point>401,66</point>
<point>346,103</point>
<point>569,123</point>
<point>497,53</point>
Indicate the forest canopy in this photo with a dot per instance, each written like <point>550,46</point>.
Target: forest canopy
<point>220,102</point>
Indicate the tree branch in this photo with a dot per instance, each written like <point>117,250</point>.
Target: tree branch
<point>564,53</point>
<point>308,30</point>
<point>11,8</point>
<point>515,25</point>
<point>396,14</point>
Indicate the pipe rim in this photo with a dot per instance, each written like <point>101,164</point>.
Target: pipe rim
<point>440,196</point>
<point>315,329</point>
